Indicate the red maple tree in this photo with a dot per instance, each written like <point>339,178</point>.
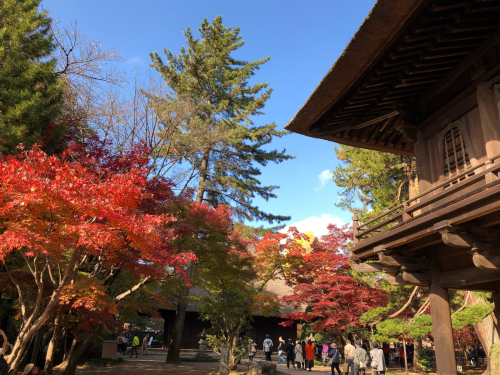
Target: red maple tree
<point>322,283</point>
<point>60,215</point>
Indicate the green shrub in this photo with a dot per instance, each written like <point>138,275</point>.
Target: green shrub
<point>424,359</point>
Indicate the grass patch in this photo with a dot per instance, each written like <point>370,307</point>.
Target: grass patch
<point>98,362</point>
<point>200,359</point>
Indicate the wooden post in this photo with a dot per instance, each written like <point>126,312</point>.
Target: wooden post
<point>406,215</point>
<point>355,226</point>
<point>441,321</point>
<point>224,360</point>
<point>496,311</point>
<point>490,177</point>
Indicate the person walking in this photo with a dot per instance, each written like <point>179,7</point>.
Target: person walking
<point>349,357</point>
<point>251,350</point>
<point>303,343</point>
<point>324,352</point>
<point>474,355</point>
<point>290,354</point>
<point>144,348</point>
<point>334,354</point>
<point>360,358</point>
<point>402,358</point>
<point>299,354</point>
<point>150,341</point>
<point>378,359</point>
<point>281,349</point>
<point>309,355</point>
<point>268,345</point>
<point>135,344</point>
<point>386,349</point>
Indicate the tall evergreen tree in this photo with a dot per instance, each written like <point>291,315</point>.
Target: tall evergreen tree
<point>219,139</point>
<point>376,180</point>
<point>30,94</point>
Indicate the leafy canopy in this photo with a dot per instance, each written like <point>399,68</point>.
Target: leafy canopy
<point>30,94</point>
<point>371,178</point>
<point>219,140</point>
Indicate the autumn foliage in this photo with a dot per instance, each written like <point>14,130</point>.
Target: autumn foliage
<point>325,294</point>
<point>70,224</point>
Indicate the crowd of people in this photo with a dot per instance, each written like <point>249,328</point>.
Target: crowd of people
<point>137,347</point>
<point>301,356</point>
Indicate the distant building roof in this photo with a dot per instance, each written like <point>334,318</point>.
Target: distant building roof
<point>277,287</point>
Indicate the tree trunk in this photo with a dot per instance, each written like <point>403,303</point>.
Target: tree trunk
<point>54,341</point>
<point>233,365</point>
<point>486,330</point>
<point>77,353</point>
<point>68,355</point>
<point>174,349</point>
<point>417,348</point>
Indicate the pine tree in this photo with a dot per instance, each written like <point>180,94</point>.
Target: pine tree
<point>30,94</point>
<point>377,180</point>
<point>221,141</point>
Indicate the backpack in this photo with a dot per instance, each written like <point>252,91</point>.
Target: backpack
<point>268,344</point>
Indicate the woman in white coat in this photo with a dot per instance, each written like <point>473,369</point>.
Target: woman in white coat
<point>299,356</point>
<point>377,359</point>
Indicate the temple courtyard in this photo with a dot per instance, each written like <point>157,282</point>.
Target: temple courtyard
<point>155,364</point>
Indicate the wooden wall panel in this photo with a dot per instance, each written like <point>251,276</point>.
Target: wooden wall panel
<point>490,121</point>
<point>472,122</point>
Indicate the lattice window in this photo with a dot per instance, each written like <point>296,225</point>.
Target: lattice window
<point>456,158</point>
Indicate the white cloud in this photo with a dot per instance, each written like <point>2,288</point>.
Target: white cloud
<point>137,60</point>
<point>315,224</point>
<point>324,177</point>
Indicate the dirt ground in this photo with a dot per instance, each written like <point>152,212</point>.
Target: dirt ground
<point>155,364</point>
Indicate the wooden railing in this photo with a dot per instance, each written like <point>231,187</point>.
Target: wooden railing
<point>406,210</point>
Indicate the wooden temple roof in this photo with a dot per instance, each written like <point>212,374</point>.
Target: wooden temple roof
<point>401,66</point>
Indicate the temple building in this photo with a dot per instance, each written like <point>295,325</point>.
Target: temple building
<point>260,326</point>
<point>422,78</point>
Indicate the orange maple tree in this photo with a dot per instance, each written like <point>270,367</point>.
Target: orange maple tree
<point>59,215</point>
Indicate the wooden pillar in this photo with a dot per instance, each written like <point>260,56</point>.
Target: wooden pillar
<point>355,231</point>
<point>496,311</point>
<point>441,322</point>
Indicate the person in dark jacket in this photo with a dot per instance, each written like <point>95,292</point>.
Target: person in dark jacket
<point>303,354</point>
<point>334,354</point>
<point>290,353</point>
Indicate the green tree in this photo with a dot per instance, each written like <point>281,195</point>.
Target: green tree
<point>30,94</point>
<point>219,139</point>
<point>377,180</point>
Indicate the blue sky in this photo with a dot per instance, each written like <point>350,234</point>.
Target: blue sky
<point>303,39</point>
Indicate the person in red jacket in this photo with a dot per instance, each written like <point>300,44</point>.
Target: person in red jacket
<point>309,355</point>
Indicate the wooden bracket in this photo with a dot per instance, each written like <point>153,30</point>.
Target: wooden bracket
<point>381,250</point>
<point>396,280</point>
<point>400,260</point>
<point>415,278</point>
<point>446,226</point>
<point>373,267</point>
<point>410,267</point>
<point>486,262</point>
<point>353,258</point>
